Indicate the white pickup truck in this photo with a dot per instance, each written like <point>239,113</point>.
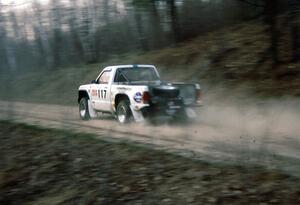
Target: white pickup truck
<point>135,92</point>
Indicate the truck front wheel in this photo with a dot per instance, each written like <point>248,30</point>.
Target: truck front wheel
<point>123,112</point>
<point>84,109</point>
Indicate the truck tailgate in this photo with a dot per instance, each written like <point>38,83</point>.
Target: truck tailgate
<point>189,93</point>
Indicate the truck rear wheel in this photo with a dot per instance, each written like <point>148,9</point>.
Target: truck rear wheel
<point>84,109</point>
<point>124,114</point>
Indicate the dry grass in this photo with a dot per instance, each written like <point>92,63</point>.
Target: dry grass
<point>233,57</point>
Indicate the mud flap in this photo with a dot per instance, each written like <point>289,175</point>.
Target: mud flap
<point>137,115</point>
<point>92,112</point>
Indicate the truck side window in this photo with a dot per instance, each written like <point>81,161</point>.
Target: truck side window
<point>119,77</point>
<point>104,78</point>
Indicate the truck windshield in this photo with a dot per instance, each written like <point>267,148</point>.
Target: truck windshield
<point>136,74</point>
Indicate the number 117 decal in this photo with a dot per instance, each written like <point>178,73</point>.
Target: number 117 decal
<point>102,94</point>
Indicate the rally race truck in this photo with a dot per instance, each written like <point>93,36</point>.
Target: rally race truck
<point>136,93</point>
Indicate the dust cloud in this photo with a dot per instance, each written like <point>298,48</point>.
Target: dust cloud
<point>254,117</point>
<point>239,128</point>
<point>235,127</point>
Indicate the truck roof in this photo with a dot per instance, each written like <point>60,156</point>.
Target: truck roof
<point>128,66</point>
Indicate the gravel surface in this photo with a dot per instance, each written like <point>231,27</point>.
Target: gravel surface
<point>266,135</point>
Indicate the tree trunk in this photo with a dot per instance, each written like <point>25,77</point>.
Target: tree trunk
<point>156,25</point>
<point>294,22</point>
<point>142,39</point>
<point>271,11</point>
<point>174,21</point>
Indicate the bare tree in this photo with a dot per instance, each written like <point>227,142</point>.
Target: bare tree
<point>270,11</point>
<point>70,32</point>
<point>87,36</point>
<point>57,42</point>
<point>140,30</point>
<point>8,48</point>
<point>44,54</point>
<point>294,21</point>
<point>174,20</point>
<point>77,47</point>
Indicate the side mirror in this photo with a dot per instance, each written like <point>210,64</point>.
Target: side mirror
<point>93,82</point>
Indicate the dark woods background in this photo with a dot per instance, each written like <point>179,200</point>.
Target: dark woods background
<point>69,32</point>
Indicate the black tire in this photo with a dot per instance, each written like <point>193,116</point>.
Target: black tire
<point>123,113</point>
<point>84,113</point>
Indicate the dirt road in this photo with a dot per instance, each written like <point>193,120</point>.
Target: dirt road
<point>222,134</point>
